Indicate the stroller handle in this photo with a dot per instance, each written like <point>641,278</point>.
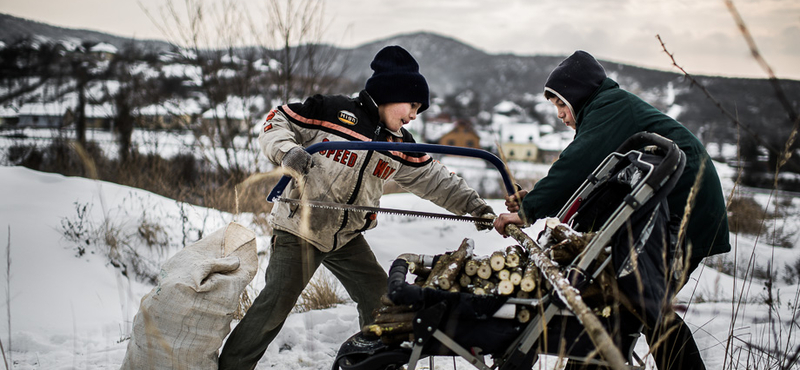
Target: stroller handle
<point>672,158</point>
<point>401,147</point>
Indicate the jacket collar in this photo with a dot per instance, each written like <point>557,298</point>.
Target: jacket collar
<point>371,108</point>
<point>369,105</point>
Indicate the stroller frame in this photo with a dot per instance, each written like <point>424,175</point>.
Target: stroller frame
<point>521,354</point>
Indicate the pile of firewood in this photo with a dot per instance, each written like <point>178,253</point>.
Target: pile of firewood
<point>506,272</point>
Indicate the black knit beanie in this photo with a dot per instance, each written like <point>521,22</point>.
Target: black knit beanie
<point>575,80</point>
<point>397,79</point>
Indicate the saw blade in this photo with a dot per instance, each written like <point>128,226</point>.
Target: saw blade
<point>356,208</point>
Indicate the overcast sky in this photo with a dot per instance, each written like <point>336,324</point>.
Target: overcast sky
<point>700,33</point>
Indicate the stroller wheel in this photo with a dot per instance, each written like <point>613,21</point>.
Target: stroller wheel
<point>362,353</point>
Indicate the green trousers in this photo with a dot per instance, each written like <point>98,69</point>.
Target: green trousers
<point>292,263</point>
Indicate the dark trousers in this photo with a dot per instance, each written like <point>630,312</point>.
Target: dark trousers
<point>292,264</point>
<point>671,342</point>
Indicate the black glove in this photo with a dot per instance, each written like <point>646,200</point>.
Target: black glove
<point>484,211</point>
<point>297,160</point>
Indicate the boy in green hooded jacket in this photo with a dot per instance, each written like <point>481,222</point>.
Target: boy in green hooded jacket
<point>603,116</point>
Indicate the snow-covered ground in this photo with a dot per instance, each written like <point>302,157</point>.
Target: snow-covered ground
<point>66,310</point>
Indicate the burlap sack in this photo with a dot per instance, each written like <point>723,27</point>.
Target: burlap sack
<point>182,322</point>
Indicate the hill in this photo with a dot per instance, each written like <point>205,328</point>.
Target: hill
<point>452,67</point>
<point>480,80</point>
<point>14,28</point>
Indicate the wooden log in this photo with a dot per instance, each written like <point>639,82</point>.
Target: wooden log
<point>563,252</point>
<point>438,267</point>
<point>523,314</point>
<point>471,266</point>
<point>464,280</point>
<point>390,317</point>
<point>503,274</point>
<point>516,275</point>
<point>446,278</point>
<point>568,243</point>
<point>505,287</point>
<point>419,270</point>
<point>392,310</point>
<point>476,290</point>
<point>388,328</point>
<point>563,232</point>
<point>514,255</point>
<point>598,334</point>
<point>430,281</point>
<point>530,278</point>
<point>497,260</point>
<point>487,284</point>
<point>485,270</point>
<point>387,306</point>
<point>386,301</point>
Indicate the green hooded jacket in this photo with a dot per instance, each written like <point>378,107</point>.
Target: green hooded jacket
<point>607,117</point>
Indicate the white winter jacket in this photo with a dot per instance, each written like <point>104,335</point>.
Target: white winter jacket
<point>350,177</point>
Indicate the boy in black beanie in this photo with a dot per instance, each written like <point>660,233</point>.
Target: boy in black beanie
<point>603,116</point>
<point>304,239</point>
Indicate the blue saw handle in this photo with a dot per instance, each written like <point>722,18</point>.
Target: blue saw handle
<point>400,147</point>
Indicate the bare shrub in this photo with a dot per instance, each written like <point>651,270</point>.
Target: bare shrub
<point>792,272</point>
<point>118,243</point>
<point>321,293</point>
<point>745,216</point>
<point>76,230</point>
<point>57,157</point>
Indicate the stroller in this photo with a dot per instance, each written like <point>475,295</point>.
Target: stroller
<point>622,205</point>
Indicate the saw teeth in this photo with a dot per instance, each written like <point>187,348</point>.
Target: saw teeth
<point>354,208</point>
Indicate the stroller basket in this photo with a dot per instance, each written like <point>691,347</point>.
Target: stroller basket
<point>623,204</point>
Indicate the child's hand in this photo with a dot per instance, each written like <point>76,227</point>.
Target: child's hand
<point>505,219</point>
<point>297,161</point>
<point>513,200</point>
<point>484,211</point>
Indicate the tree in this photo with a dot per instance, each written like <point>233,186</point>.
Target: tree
<point>26,65</point>
<point>245,64</point>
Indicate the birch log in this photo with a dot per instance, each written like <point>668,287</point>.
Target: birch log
<point>571,297</point>
<point>445,276</point>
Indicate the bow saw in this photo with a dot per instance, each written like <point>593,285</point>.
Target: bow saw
<point>277,191</point>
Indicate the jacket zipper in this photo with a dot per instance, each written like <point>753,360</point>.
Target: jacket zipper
<point>353,198</point>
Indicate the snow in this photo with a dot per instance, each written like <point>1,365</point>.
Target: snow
<point>62,310</point>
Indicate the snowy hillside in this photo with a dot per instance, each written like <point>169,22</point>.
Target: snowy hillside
<point>68,310</point>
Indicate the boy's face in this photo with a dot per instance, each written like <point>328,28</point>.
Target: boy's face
<point>395,115</point>
<point>564,114</point>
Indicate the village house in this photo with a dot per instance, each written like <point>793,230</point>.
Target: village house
<point>462,134</point>
<point>519,141</point>
<point>103,51</point>
<point>43,115</point>
<point>9,116</point>
<point>167,116</point>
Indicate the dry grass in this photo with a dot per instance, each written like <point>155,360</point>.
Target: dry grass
<point>745,216</point>
<point>320,293</point>
<point>244,305</point>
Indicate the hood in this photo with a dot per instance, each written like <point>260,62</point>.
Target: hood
<point>575,80</point>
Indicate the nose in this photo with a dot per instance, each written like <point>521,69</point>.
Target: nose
<point>413,115</point>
